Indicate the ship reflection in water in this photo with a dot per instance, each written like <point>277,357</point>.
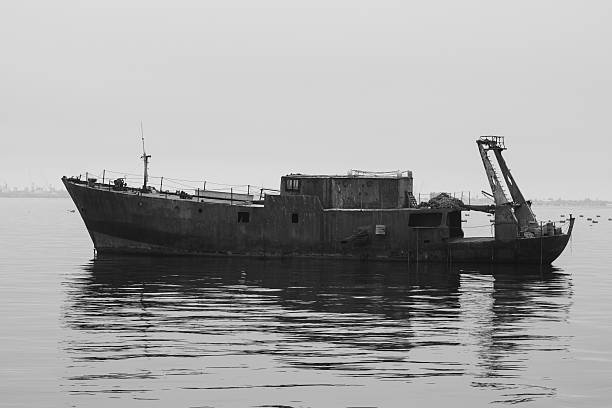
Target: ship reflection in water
<point>204,329</point>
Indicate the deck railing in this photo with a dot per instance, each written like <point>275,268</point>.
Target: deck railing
<point>194,188</point>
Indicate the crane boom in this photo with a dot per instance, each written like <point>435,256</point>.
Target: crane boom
<point>511,217</point>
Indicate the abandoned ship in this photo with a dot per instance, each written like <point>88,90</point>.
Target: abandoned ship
<point>361,215</point>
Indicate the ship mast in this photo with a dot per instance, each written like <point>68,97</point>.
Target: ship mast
<point>145,158</point>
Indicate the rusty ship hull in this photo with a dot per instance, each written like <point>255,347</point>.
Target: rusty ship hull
<point>136,221</point>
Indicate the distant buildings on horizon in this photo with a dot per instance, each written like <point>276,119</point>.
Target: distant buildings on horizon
<point>587,202</point>
<point>480,199</point>
<point>34,191</point>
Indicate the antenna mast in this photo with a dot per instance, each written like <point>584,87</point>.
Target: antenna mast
<point>145,159</point>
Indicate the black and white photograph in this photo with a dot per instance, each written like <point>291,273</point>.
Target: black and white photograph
<point>292,204</point>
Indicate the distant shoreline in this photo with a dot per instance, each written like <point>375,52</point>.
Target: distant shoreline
<point>572,203</point>
<point>34,195</point>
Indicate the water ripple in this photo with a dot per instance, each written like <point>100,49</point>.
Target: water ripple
<point>211,319</point>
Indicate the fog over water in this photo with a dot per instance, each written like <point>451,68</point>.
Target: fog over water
<point>241,92</point>
<point>142,331</point>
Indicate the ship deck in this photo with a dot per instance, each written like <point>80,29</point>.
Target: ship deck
<point>222,197</point>
<point>202,196</point>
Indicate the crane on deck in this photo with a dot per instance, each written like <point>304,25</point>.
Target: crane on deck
<point>513,215</point>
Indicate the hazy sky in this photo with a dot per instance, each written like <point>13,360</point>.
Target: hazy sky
<point>245,91</point>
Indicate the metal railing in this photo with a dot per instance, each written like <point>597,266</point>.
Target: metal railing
<point>194,188</point>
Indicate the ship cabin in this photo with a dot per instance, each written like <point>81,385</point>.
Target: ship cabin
<point>357,190</point>
<point>379,204</point>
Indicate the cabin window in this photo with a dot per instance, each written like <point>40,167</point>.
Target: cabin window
<point>243,217</point>
<point>294,218</point>
<point>292,184</point>
<point>425,220</point>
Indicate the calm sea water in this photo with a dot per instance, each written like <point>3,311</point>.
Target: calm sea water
<point>155,332</point>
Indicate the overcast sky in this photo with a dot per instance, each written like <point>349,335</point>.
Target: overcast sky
<point>246,91</point>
